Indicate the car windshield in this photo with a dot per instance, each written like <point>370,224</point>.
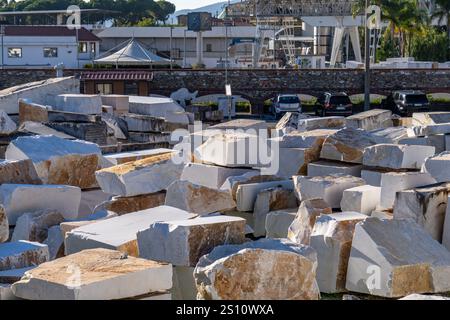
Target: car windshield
<point>340,100</point>
<point>289,99</point>
<point>416,98</point>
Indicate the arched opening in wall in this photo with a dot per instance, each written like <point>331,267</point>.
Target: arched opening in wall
<point>439,101</point>
<point>240,104</point>
<point>308,103</point>
<point>377,101</point>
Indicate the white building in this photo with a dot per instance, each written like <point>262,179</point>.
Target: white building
<point>184,43</point>
<point>47,46</point>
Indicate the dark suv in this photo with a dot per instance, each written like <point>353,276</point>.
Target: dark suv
<point>406,102</point>
<point>334,104</point>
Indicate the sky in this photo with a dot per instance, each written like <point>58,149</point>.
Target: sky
<point>192,4</point>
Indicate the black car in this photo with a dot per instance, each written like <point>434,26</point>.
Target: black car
<point>334,104</point>
<point>406,102</point>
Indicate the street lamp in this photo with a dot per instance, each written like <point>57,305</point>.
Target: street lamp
<point>184,53</point>
<point>367,64</point>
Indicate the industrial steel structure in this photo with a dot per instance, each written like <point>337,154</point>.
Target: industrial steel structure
<point>293,8</point>
<point>279,19</point>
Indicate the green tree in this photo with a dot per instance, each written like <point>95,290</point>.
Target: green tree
<point>164,10</point>
<point>403,16</point>
<point>133,11</point>
<point>129,12</point>
<point>430,45</point>
<point>389,47</point>
<point>146,22</point>
<point>443,12</point>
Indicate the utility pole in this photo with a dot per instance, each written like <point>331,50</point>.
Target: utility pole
<point>367,64</point>
<point>227,85</point>
<point>2,32</point>
<point>171,36</point>
<point>226,21</point>
<point>78,47</point>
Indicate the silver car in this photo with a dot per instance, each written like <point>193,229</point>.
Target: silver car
<point>286,103</point>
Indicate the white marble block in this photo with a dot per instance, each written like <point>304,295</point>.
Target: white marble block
<point>325,168</point>
<point>208,175</point>
<point>329,188</point>
<point>22,198</point>
<point>79,103</point>
<point>439,167</point>
<point>392,182</point>
<point>363,199</point>
<point>370,120</point>
<point>96,274</point>
<point>144,176</point>
<point>424,205</point>
<point>395,258</point>
<point>59,161</point>
<point>278,222</point>
<point>119,233</point>
<point>246,194</point>
<point>198,199</point>
<point>395,156</point>
<point>183,242</point>
<point>267,269</point>
<point>22,254</point>
<point>332,238</point>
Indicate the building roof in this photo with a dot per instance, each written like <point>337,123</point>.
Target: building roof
<point>177,32</point>
<point>32,12</point>
<point>49,31</point>
<point>132,75</point>
<point>133,53</point>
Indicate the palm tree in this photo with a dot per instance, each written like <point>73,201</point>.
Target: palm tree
<point>412,20</point>
<point>404,17</point>
<point>443,11</point>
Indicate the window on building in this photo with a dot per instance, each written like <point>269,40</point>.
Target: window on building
<point>104,88</point>
<point>83,47</point>
<point>208,47</point>
<point>14,52</point>
<point>93,49</point>
<point>50,52</point>
<point>131,88</point>
<point>176,53</point>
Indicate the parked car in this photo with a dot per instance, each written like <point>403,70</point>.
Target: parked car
<point>334,104</point>
<point>286,103</point>
<point>406,102</point>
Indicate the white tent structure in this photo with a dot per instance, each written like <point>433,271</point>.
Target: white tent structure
<point>133,53</point>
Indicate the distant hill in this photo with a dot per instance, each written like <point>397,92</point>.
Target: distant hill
<point>215,9</point>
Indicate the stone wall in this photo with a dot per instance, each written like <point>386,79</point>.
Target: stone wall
<point>263,84</point>
<point>40,92</point>
<point>259,85</point>
<point>15,77</point>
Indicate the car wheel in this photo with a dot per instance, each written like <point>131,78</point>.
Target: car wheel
<point>398,111</point>
<point>318,112</point>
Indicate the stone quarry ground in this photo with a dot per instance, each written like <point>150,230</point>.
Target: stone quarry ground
<point>98,202</point>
